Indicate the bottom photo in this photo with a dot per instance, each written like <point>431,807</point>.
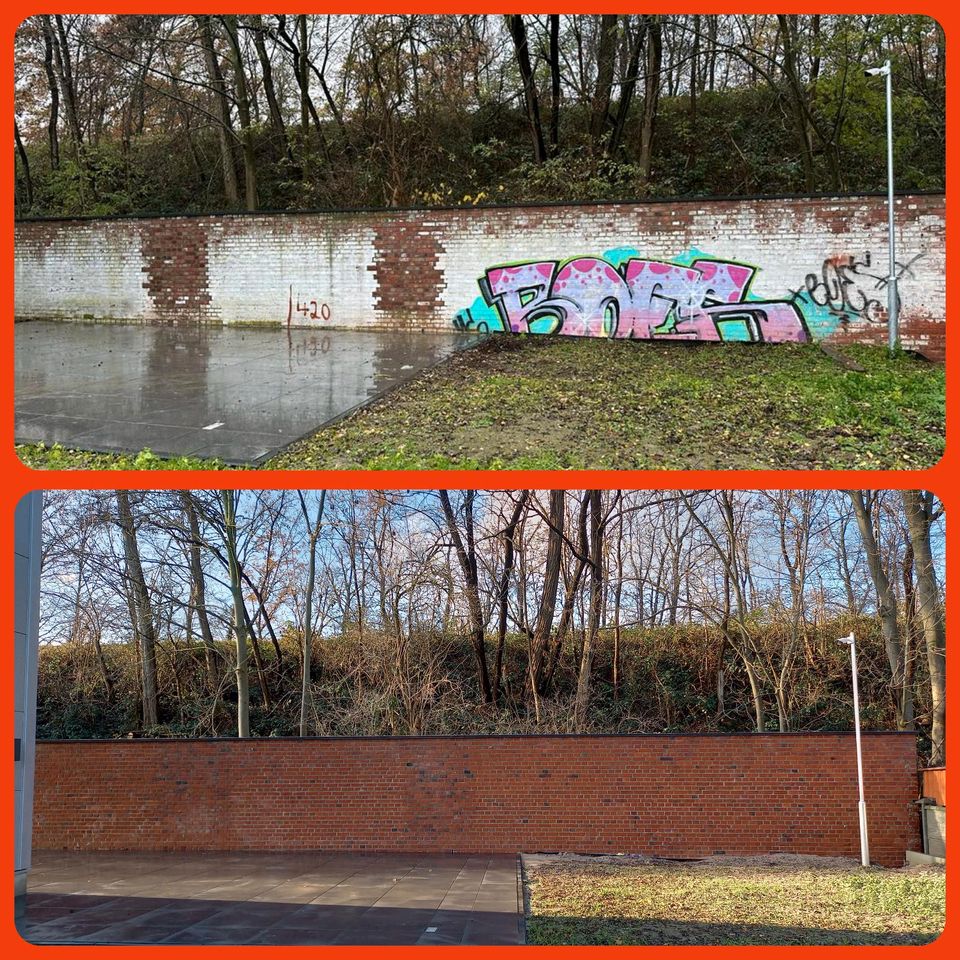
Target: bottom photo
<point>499,717</point>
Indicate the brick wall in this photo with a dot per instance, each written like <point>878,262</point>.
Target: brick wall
<point>675,796</point>
<point>815,269</point>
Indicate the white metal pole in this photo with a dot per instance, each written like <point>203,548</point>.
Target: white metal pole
<point>862,806</point>
<point>893,300</point>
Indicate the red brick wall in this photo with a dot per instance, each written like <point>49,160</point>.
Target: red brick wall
<point>175,268</point>
<point>675,796</point>
<point>409,284</point>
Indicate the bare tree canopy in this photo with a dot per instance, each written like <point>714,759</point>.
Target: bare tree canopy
<point>189,113</point>
<point>261,613</point>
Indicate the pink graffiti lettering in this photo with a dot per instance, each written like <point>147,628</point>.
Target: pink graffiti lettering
<point>520,292</point>
<point>640,299</point>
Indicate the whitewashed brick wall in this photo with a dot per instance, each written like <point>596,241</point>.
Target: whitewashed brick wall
<point>417,269</point>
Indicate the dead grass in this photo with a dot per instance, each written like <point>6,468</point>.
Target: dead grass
<point>730,901</point>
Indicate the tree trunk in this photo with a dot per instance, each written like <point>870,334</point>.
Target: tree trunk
<point>266,71</point>
<point>886,609</point>
<point>651,94</point>
<point>593,621</point>
<point>909,619</point>
<point>225,128</point>
<point>548,599</point>
<point>518,32</point>
<point>571,593</point>
<point>239,614</point>
<point>243,112</point>
<point>694,83</point>
<point>24,162</point>
<point>198,594</point>
<point>141,606</point>
<point>257,658</point>
<point>64,70</point>
<point>54,119</point>
<point>313,532</point>
<point>304,73</point>
<point>846,573</point>
<point>919,507</point>
<point>795,95</point>
<point>627,88</point>
<point>606,57</point>
<point>503,594</point>
<point>617,595</point>
<point>102,665</point>
<point>467,556</point>
<point>759,714</point>
<point>555,78</point>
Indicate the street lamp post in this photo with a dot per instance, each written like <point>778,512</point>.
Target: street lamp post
<point>862,806</point>
<point>893,300</point>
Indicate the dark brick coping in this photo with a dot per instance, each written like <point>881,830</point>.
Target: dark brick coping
<point>793,734</point>
<point>392,211</point>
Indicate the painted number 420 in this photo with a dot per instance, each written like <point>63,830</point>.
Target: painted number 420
<point>308,309</point>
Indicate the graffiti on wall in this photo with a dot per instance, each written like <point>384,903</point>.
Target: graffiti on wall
<point>693,296</point>
<point>307,310</point>
<point>852,289</point>
<point>618,296</point>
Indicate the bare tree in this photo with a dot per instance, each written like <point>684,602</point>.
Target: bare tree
<point>314,527</point>
<point>243,111</point>
<point>606,57</point>
<point>218,85</point>
<point>229,501</point>
<point>865,504</point>
<point>503,592</point>
<point>597,522</point>
<point>140,597</point>
<point>198,589</point>
<point>539,638</point>
<point>921,510</point>
<point>465,547</point>
<point>518,32</point>
<point>651,94</point>
<point>728,545</point>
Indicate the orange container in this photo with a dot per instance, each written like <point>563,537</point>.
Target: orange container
<point>935,784</point>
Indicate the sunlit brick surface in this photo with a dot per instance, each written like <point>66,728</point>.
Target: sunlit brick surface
<point>673,796</point>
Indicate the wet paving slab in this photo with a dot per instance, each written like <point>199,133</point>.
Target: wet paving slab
<point>238,394</point>
<point>225,898</point>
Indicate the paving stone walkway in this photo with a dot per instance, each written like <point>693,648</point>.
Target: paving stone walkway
<point>290,899</point>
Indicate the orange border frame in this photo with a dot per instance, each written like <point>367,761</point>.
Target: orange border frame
<point>17,479</point>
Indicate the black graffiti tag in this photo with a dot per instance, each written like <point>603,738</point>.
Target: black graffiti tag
<point>847,287</point>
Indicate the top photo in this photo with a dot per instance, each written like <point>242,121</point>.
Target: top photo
<point>498,242</point>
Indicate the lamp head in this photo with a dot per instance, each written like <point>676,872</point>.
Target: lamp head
<point>877,71</point>
<point>848,640</point>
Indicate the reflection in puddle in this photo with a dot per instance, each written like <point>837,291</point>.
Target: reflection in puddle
<point>131,386</point>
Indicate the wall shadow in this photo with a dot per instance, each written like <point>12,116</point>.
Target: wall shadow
<point>52,918</point>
